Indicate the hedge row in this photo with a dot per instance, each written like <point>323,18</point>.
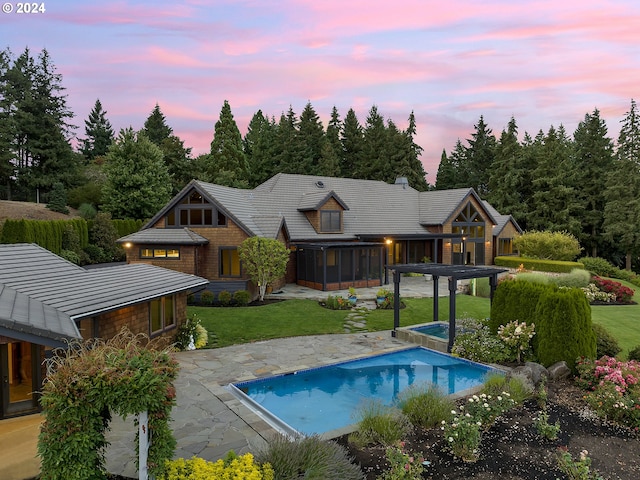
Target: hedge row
<point>48,233</point>
<point>557,266</point>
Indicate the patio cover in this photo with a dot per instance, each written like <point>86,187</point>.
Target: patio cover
<point>437,270</point>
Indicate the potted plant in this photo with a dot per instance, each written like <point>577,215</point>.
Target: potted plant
<point>381,295</point>
<point>353,298</point>
<point>426,259</point>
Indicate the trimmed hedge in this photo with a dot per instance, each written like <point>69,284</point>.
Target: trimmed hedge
<point>563,328</point>
<point>46,233</point>
<point>516,300</point>
<point>536,264</point>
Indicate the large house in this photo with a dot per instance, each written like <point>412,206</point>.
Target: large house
<point>45,302</point>
<point>341,231</point>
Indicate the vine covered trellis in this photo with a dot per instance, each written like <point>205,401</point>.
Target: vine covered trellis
<point>125,376</point>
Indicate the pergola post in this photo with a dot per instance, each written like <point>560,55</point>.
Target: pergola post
<point>453,287</point>
<point>396,302</point>
<point>435,297</point>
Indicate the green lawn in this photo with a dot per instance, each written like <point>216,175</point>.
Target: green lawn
<point>621,321</point>
<point>306,317</point>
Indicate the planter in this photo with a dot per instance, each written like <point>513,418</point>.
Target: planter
<point>380,300</point>
<point>353,299</point>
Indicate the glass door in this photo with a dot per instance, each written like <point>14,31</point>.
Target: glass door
<point>19,371</point>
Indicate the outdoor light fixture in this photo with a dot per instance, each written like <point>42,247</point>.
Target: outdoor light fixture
<point>127,245</point>
<point>389,241</point>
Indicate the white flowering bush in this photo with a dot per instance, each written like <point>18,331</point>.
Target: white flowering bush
<point>517,337</point>
<point>594,294</point>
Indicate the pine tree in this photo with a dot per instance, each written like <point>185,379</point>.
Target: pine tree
<point>258,146</point>
<point>374,159</point>
<point>445,177</point>
<point>311,137</point>
<point>622,193</point>
<point>509,179</point>
<point>554,201</point>
<point>288,149</point>
<point>453,173</point>
<point>592,162</point>
<point>415,169</point>
<point>99,133</point>
<point>178,160</point>
<point>138,182</point>
<point>352,145</point>
<point>479,157</point>
<point>227,163</point>
<point>58,199</point>
<point>7,126</point>
<point>334,144</point>
<point>156,128</point>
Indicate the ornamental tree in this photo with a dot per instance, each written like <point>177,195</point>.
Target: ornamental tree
<point>264,260</point>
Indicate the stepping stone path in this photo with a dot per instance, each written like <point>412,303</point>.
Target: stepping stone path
<point>356,320</point>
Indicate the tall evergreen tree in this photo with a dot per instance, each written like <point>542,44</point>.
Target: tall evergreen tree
<point>311,137</point>
<point>258,146</point>
<point>622,193</point>
<point>7,127</point>
<point>374,159</point>
<point>227,163</point>
<point>445,176</point>
<point>333,151</point>
<point>288,148</point>
<point>178,160</point>
<point>554,201</point>
<point>479,157</point>
<point>138,182</point>
<point>415,169</point>
<point>592,162</point>
<point>529,153</point>
<point>352,145</point>
<point>156,128</point>
<point>99,133</point>
<point>510,177</point>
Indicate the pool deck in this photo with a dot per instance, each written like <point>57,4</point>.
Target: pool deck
<point>208,421</point>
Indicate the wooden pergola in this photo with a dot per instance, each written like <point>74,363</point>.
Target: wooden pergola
<point>437,270</point>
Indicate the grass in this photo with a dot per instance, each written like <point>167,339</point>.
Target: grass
<point>292,318</point>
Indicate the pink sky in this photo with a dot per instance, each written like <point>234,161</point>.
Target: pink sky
<point>543,62</point>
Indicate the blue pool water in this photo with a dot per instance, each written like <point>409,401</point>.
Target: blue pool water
<point>440,330</point>
<point>324,399</point>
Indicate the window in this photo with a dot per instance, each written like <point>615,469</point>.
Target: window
<point>195,211</point>
<point>229,262</point>
<point>505,246</point>
<point>330,220</point>
<point>162,314</point>
<point>159,253</point>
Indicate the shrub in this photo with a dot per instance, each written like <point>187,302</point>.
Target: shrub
<point>623,294</point>
<point>425,405</point>
<point>515,386</point>
<point>336,302</point>
<point>516,301</point>
<point>564,329</point>
<point>224,298</point>
<point>594,294</point>
<point>576,469</point>
<point>402,465</point>
<point>191,331</point>
<point>517,338</point>
<point>546,430</point>
<point>479,345</point>
<point>481,286</point>
<point>232,466</point>
<point>70,256</point>
<point>547,245</point>
<point>379,424</point>
<point>206,298</point>
<point>606,344</point>
<point>577,278</point>
<point>87,211</point>
<point>634,354</point>
<point>308,457</point>
<point>58,199</point>
<point>241,298</point>
<point>534,277</point>
<point>387,303</point>
<point>598,266</point>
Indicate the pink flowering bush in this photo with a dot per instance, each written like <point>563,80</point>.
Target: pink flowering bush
<point>623,294</point>
<point>614,389</point>
<point>404,465</point>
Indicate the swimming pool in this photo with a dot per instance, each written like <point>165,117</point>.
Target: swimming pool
<point>323,400</point>
<point>435,329</point>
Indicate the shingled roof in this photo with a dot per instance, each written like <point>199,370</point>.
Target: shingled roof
<point>51,293</point>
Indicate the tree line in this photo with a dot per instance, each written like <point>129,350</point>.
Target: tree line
<point>585,185</point>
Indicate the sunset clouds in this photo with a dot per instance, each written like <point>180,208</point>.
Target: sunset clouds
<point>543,62</point>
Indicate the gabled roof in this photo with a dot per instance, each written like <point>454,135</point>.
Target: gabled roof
<point>67,292</point>
<point>315,200</point>
<point>437,206</point>
<point>501,220</point>
<point>168,236</point>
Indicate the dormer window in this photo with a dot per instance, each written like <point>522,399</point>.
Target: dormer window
<point>195,211</point>
<point>330,221</point>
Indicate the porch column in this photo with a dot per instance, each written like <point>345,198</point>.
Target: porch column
<point>435,297</point>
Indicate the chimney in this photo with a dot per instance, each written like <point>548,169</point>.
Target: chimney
<point>402,181</point>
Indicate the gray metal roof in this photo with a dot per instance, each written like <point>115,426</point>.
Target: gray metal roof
<point>501,220</point>
<point>168,236</point>
<point>75,293</point>
<point>375,208</point>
